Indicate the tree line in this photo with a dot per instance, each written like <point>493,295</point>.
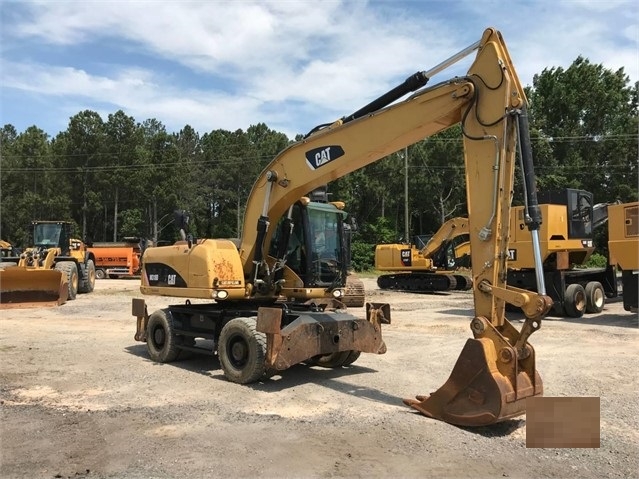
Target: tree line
<point>118,177</point>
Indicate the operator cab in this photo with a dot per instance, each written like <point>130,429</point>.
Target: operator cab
<point>315,251</point>
<point>580,208</point>
<point>52,234</point>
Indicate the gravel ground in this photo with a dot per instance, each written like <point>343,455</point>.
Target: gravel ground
<point>80,398</point>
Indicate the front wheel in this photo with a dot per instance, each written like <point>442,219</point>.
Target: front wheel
<point>88,280</point>
<point>161,340</point>
<point>242,350</point>
<point>70,269</point>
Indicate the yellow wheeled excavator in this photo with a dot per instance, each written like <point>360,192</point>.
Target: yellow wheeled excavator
<point>428,267</point>
<point>255,332</point>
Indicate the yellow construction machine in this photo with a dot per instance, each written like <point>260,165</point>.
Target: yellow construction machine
<point>623,245</point>
<point>433,265</point>
<point>566,240</point>
<point>7,250</point>
<point>293,248</point>
<point>52,271</point>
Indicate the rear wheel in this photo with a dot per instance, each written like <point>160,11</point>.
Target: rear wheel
<point>595,297</point>
<point>241,350</point>
<point>161,340</point>
<point>100,273</point>
<point>333,360</point>
<point>352,357</point>
<point>88,278</point>
<point>70,269</point>
<point>575,300</point>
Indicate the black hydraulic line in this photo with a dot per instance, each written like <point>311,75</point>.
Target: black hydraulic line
<point>534,212</point>
<point>412,83</point>
<point>284,238</point>
<point>262,228</point>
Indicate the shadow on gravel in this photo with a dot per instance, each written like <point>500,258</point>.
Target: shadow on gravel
<point>630,320</point>
<point>501,429</point>
<point>198,363</point>
<point>297,375</point>
<point>329,378</point>
<point>137,350</point>
<point>469,313</point>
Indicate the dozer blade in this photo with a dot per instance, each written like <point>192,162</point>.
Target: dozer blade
<point>477,393</point>
<point>29,288</point>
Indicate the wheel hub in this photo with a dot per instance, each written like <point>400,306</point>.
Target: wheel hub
<point>239,352</point>
<point>158,336</point>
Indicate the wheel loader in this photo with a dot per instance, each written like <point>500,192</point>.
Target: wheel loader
<point>293,248</point>
<point>52,271</point>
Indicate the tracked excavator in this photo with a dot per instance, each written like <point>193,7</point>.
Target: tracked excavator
<point>255,333</point>
<point>431,267</point>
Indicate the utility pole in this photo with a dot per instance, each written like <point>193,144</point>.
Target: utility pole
<point>155,222</point>
<point>406,215</point>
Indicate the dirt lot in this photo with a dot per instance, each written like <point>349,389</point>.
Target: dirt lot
<point>80,398</point>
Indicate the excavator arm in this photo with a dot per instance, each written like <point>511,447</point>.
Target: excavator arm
<point>451,229</point>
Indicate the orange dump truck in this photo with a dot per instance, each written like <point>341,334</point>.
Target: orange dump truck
<point>116,260</point>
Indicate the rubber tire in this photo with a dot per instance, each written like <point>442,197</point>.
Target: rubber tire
<point>88,277</point>
<point>161,340</point>
<point>575,300</point>
<point>333,360</point>
<point>352,357</point>
<point>241,350</point>
<point>100,273</point>
<point>595,297</point>
<point>71,270</point>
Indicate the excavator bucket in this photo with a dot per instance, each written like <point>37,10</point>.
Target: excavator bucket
<point>477,393</point>
<point>29,287</point>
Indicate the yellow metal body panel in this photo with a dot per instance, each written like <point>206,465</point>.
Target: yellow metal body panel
<point>209,266</point>
<point>388,257</point>
<point>553,238</point>
<point>623,235</point>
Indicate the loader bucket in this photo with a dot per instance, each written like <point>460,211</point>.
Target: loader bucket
<point>28,288</point>
<point>477,393</point>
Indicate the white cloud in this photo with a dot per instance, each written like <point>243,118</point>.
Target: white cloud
<point>289,64</point>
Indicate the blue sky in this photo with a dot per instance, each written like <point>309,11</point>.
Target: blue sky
<point>290,64</point>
